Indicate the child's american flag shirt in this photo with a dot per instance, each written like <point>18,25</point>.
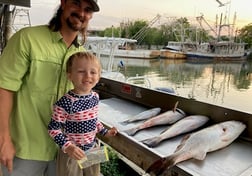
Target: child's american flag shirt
<point>75,121</point>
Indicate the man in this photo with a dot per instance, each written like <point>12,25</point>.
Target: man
<point>32,78</point>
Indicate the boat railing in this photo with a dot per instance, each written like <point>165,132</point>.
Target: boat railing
<point>99,43</point>
<point>142,80</point>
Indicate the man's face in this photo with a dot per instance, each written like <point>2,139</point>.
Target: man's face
<point>76,14</point>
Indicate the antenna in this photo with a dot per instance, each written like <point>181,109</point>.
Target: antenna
<point>220,3</point>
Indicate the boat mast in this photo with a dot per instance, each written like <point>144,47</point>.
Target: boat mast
<point>220,26</point>
<point>200,19</point>
<point>226,23</point>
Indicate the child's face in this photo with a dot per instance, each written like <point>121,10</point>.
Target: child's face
<point>84,75</point>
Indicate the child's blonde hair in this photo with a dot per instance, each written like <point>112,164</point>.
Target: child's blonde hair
<point>82,55</point>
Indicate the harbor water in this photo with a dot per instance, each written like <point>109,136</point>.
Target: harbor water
<point>222,83</point>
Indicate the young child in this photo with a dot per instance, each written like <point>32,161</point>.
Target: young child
<point>74,122</point>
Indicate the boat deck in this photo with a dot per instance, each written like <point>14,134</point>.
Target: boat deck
<point>234,160</point>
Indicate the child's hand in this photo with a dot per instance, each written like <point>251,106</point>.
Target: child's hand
<point>111,132</point>
<point>74,152</point>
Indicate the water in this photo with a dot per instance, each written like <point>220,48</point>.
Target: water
<point>226,84</point>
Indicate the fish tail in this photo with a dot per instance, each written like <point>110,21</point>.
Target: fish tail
<point>159,166</point>
<point>152,142</point>
<point>131,131</point>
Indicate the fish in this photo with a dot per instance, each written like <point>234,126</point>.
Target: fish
<point>197,144</point>
<point>168,117</point>
<point>142,116</point>
<point>184,125</point>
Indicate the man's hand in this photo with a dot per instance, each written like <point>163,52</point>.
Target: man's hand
<point>7,149</point>
<point>7,152</point>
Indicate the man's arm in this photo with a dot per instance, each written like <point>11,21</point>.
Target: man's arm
<point>7,150</point>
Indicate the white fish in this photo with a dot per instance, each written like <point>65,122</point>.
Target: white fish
<point>198,144</point>
<point>168,117</point>
<point>184,125</point>
<point>142,116</point>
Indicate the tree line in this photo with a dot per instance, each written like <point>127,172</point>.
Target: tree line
<point>179,30</point>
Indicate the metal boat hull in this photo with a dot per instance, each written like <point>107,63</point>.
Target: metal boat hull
<point>120,100</point>
<point>172,54</point>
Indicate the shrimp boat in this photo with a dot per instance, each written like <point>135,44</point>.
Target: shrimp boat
<point>218,50</point>
<point>118,47</point>
<point>228,49</point>
<point>120,100</point>
<point>176,50</point>
<point>173,50</point>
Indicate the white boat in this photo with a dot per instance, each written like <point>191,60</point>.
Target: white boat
<point>118,47</point>
<point>218,50</point>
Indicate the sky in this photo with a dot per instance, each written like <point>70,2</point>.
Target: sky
<point>115,11</point>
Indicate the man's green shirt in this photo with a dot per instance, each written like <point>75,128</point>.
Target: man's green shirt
<point>33,66</point>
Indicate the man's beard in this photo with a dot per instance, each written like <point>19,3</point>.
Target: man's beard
<point>72,25</point>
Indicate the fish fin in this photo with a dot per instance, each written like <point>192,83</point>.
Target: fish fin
<point>175,106</point>
<point>180,111</point>
<point>131,131</point>
<point>182,143</point>
<point>152,142</point>
<point>159,166</point>
<point>201,155</point>
<point>125,122</point>
<point>164,130</point>
<point>186,137</point>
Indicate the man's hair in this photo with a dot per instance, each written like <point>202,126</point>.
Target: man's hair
<point>55,24</point>
<point>82,55</point>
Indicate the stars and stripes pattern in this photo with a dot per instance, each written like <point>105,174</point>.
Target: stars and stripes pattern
<point>75,120</point>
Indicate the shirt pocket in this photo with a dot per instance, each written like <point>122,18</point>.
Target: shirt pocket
<point>44,75</point>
